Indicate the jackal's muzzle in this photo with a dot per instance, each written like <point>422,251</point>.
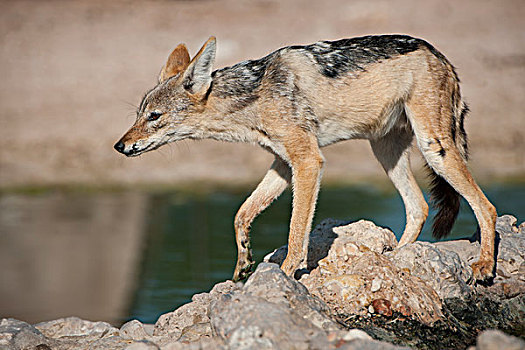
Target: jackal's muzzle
<point>134,150</point>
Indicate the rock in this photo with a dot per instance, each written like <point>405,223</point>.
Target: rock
<point>356,339</point>
<point>366,234</point>
<point>62,334</point>
<point>346,288</point>
<point>421,295</point>
<point>142,345</point>
<point>442,269</point>
<point>510,249</point>
<point>354,334</point>
<point>191,321</point>
<point>382,307</point>
<point>271,284</point>
<point>376,285</point>
<point>214,343</point>
<point>196,332</point>
<point>322,239</point>
<point>362,344</point>
<point>75,333</point>
<point>134,330</point>
<point>174,323</point>
<point>74,327</point>
<point>149,328</point>
<point>494,339</point>
<point>355,272</point>
<point>502,303</point>
<point>114,343</point>
<point>245,321</point>
<point>510,269</point>
<point>15,334</point>
<point>426,287</point>
<point>143,334</point>
<point>271,310</point>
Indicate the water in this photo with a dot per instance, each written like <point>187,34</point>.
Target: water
<point>191,241</point>
<point>122,255</point>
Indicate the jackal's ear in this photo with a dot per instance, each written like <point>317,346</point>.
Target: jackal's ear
<point>197,77</point>
<point>177,62</point>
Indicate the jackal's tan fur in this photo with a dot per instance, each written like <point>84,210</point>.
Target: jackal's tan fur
<point>386,89</point>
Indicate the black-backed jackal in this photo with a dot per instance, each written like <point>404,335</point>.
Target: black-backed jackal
<point>386,89</point>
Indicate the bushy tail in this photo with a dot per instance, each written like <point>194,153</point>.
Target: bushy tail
<point>444,197</point>
<point>445,200</point>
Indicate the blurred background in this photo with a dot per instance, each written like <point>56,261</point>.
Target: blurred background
<point>87,232</point>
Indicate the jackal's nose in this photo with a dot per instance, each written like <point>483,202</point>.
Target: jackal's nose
<point>119,146</point>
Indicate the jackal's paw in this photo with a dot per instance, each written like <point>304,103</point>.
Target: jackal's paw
<point>243,270</point>
<point>482,270</point>
<point>289,267</point>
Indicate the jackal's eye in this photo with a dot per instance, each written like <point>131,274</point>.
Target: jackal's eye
<point>153,116</point>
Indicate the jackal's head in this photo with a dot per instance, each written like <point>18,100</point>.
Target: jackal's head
<point>173,109</point>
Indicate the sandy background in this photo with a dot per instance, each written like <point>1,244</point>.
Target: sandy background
<point>72,73</point>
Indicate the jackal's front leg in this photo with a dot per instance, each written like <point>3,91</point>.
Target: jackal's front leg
<point>272,185</point>
<point>307,163</point>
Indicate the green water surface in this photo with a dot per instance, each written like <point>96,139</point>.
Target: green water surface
<point>190,243</point>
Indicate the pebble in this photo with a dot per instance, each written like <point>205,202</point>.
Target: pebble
<point>376,285</point>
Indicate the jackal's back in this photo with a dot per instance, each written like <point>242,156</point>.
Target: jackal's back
<point>337,58</point>
<point>333,59</point>
<point>344,89</point>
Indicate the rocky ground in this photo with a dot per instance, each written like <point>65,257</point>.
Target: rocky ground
<point>360,292</point>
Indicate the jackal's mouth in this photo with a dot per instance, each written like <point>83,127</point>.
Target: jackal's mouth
<point>137,148</point>
<point>135,151</point>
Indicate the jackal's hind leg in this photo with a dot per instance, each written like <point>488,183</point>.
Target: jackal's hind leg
<point>444,157</point>
<point>453,169</point>
<point>393,152</point>
<point>273,184</point>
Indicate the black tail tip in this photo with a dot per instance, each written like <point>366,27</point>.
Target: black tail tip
<point>444,219</point>
<point>446,200</point>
